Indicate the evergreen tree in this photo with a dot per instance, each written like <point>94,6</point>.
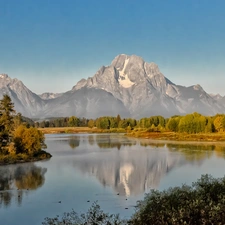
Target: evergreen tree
<point>6,121</point>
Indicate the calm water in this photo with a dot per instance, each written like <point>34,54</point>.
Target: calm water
<point>104,168</point>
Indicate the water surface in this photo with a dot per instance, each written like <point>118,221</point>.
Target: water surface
<point>112,169</point>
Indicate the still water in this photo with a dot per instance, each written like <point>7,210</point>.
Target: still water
<point>112,169</point>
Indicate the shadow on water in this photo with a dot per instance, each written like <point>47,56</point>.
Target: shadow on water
<point>16,180</point>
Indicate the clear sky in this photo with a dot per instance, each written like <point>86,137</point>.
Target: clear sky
<point>52,44</point>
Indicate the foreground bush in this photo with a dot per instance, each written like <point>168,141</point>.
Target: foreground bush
<point>201,203</point>
<point>94,216</point>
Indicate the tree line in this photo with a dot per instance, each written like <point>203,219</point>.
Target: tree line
<point>190,123</point>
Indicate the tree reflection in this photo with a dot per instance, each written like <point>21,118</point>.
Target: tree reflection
<point>133,171</point>
<point>74,141</point>
<point>197,152</point>
<point>91,139</point>
<point>152,144</point>
<point>110,141</point>
<point>16,179</point>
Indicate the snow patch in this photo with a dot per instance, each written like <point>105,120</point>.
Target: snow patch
<point>124,81</point>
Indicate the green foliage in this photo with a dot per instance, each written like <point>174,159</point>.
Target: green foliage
<point>103,123</point>
<point>153,120</point>
<point>201,203</point>
<point>173,123</point>
<point>193,123</point>
<point>18,141</point>
<point>94,216</point>
<point>91,123</point>
<point>74,121</point>
<point>6,121</point>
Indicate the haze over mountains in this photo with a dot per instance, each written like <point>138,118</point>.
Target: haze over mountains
<point>129,86</point>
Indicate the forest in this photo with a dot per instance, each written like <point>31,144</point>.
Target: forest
<point>191,123</point>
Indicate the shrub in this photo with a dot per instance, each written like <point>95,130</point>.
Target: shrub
<point>201,203</point>
<point>94,216</point>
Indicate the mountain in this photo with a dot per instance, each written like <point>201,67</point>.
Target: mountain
<point>145,91</point>
<point>85,102</point>
<point>89,103</point>
<point>129,86</point>
<point>48,95</point>
<point>220,99</point>
<point>25,101</point>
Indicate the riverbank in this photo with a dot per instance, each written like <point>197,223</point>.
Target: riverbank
<point>173,136</point>
<point>74,130</point>
<point>22,158</point>
<point>139,133</point>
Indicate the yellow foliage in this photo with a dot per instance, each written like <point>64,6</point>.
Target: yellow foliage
<point>218,123</point>
<point>28,140</point>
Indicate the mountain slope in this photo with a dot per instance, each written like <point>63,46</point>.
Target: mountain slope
<point>25,101</point>
<point>85,102</point>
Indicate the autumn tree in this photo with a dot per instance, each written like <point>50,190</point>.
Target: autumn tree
<point>74,121</point>
<point>219,123</point>
<point>91,123</point>
<point>28,140</point>
<point>173,123</point>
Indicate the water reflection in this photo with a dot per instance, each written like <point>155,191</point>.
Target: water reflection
<point>197,151</point>
<point>74,142</point>
<point>140,164</point>
<point>130,173</point>
<point>15,180</point>
<point>113,141</point>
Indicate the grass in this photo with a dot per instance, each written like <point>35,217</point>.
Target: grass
<point>173,136</point>
<point>139,132</point>
<point>71,130</point>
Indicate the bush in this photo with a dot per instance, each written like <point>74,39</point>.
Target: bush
<point>201,203</point>
<point>94,216</point>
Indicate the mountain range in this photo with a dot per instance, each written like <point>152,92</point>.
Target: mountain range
<point>129,86</point>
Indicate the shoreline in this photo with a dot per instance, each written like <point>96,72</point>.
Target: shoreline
<point>167,136</point>
<point>22,158</point>
<point>173,136</point>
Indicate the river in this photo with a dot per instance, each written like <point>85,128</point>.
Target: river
<point>112,169</point>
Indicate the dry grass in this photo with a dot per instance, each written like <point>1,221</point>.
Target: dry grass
<point>211,137</point>
<point>71,130</point>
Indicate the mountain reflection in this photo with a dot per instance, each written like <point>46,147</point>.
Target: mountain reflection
<point>16,179</point>
<point>140,164</point>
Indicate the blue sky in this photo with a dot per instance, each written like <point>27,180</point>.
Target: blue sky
<point>52,44</point>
